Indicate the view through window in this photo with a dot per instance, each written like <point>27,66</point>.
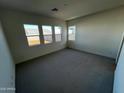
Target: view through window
<point>58,33</point>
<point>71,32</point>
<point>47,33</point>
<point>32,33</point>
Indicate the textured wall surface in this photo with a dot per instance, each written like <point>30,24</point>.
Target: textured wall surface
<point>100,33</point>
<point>13,26</point>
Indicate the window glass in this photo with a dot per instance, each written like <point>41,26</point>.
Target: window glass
<point>32,34</point>
<point>58,33</point>
<point>47,33</point>
<point>71,32</point>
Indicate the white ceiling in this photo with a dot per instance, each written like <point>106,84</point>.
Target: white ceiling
<point>68,9</point>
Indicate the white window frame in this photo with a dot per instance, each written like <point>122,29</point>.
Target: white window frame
<point>58,34</point>
<point>73,38</point>
<point>45,41</point>
<point>32,34</point>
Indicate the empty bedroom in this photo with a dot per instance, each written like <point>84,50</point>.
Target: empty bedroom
<point>61,46</point>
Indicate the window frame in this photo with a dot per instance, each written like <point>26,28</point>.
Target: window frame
<point>58,34</point>
<point>27,36</point>
<point>44,35</point>
<point>72,34</point>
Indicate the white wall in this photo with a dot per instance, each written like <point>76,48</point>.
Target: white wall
<point>7,68</point>
<point>119,74</point>
<point>13,25</point>
<point>99,33</point>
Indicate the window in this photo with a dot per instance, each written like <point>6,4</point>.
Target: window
<point>58,33</point>
<point>32,33</point>
<point>71,32</point>
<point>47,33</point>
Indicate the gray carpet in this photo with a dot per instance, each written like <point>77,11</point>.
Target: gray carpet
<point>66,71</point>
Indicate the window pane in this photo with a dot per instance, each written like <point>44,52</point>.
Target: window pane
<point>47,30</point>
<point>58,33</point>
<point>32,34</point>
<point>71,32</point>
<point>33,40</point>
<point>47,33</point>
<point>58,30</point>
<point>58,37</point>
<point>31,30</point>
<point>47,39</point>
